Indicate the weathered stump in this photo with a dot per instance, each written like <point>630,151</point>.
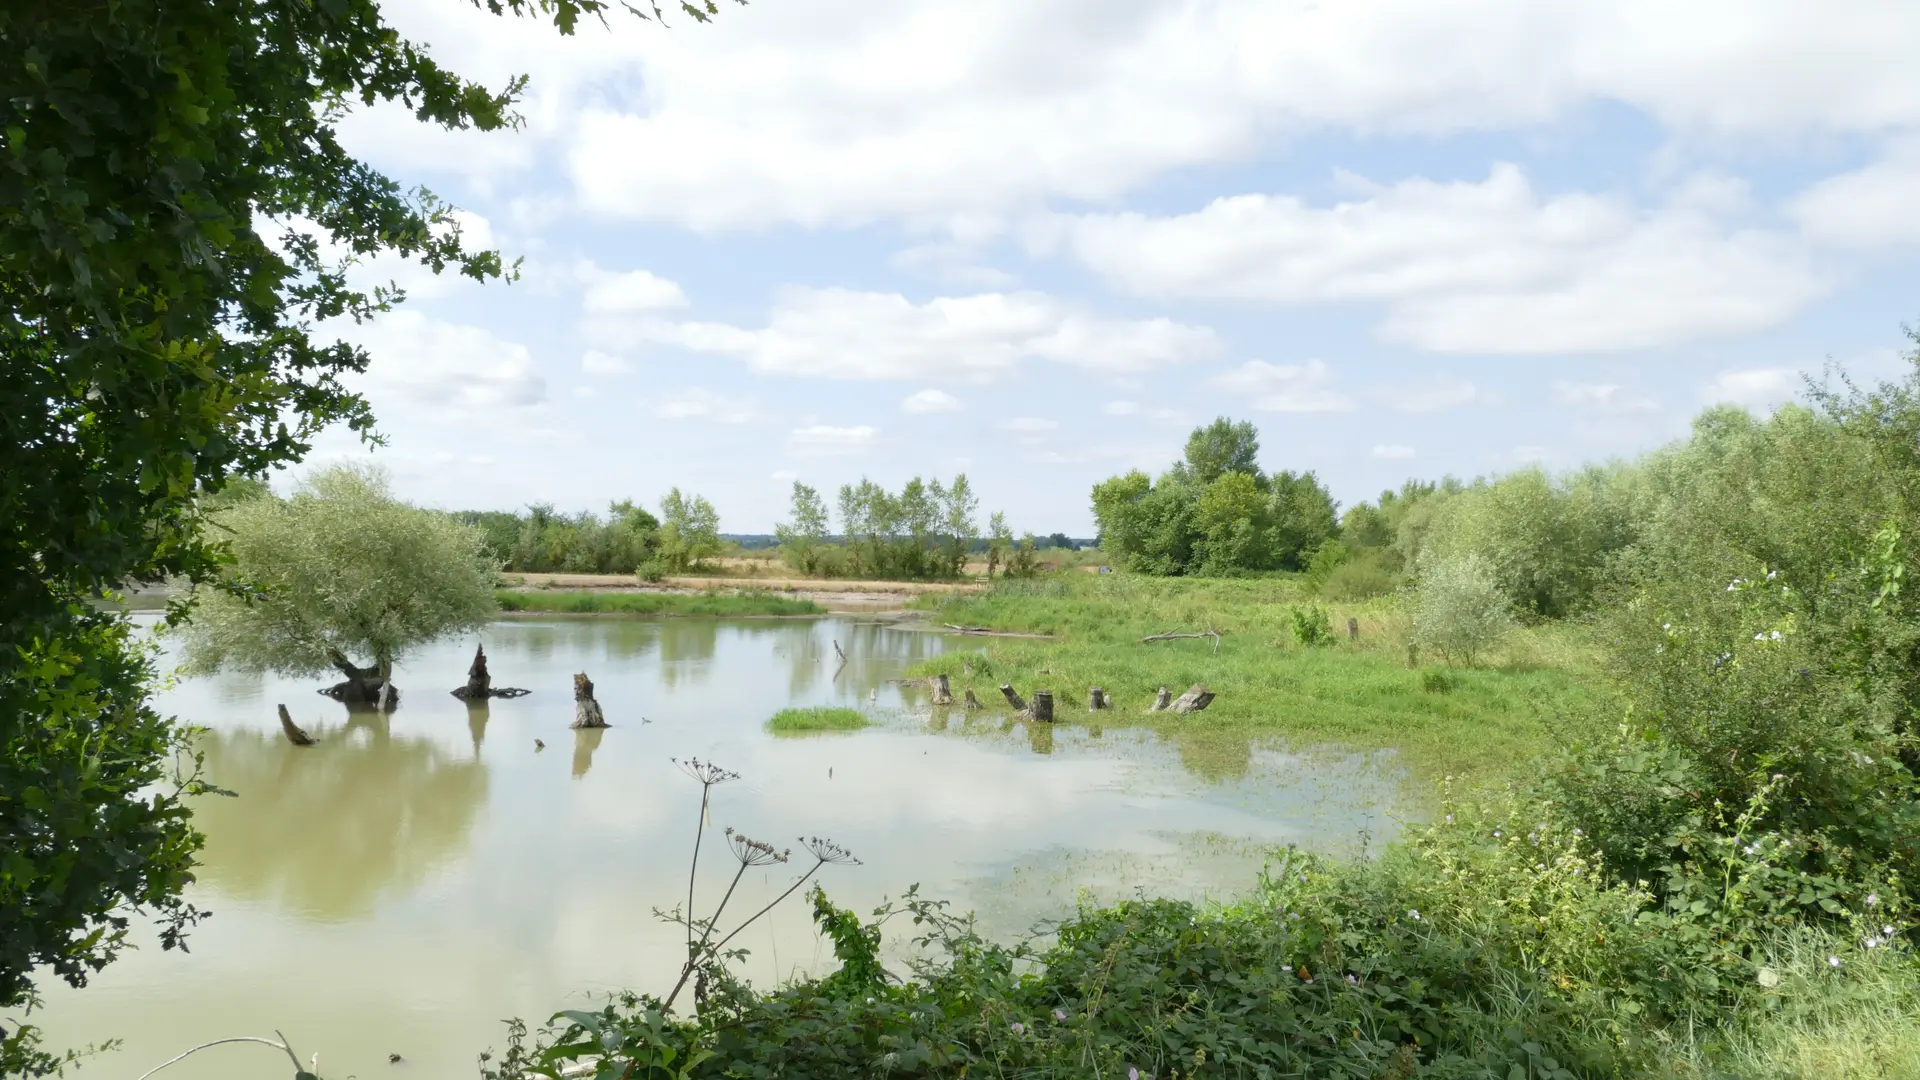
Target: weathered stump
<point>1353,629</point>
<point>1161,700</point>
<point>1013,697</point>
<point>294,734</point>
<point>972,700</point>
<point>586,711</point>
<point>942,692</point>
<point>1097,700</point>
<point>1195,699</point>
<point>1042,708</point>
<point>479,681</point>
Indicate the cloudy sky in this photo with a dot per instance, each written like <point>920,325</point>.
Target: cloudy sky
<point>1038,242</point>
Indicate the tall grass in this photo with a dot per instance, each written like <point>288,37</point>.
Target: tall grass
<point>1482,720</point>
<point>817,719</point>
<point>600,602</point>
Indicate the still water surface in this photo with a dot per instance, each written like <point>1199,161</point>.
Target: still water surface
<point>412,881</point>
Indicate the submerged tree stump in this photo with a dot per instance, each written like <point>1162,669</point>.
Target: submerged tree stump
<point>1195,699</point>
<point>973,700</point>
<point>1042,708</point>
<point>1161,700</point>
<point>942,691</point>
<point>480,684</point>
<point>586,711</point>
<point>294,734</point>
<point>1097,699</point>
<point>1013,697</point>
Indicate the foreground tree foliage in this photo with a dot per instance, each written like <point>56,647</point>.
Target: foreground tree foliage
<point>166,172</point>
<point>340,572</point>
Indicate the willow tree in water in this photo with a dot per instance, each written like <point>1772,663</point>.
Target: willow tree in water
<point>341,572</point>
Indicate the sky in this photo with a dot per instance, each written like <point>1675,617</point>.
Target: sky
<point>1037,243</point>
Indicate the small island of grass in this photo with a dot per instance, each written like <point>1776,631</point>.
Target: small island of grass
<point>819,718</point>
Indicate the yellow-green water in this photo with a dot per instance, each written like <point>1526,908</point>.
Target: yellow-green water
<point>412,881</point>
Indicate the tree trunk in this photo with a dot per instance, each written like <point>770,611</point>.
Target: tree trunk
<point>294,734</point>
<point>1042,710</point>
<point>1161,700</point>
<point>386,688</point>
<point>1353,629</point>
<point>586,711</point>
<point>1097,699</point>
<point>1195,699</point>
<point>942,692</point>
<point>1013,698</point>
<point>973,700</point>
<point>363,686</point>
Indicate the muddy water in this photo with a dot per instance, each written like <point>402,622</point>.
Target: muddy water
<point>412,880</point>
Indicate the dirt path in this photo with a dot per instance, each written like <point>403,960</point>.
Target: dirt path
<point>834,595</point>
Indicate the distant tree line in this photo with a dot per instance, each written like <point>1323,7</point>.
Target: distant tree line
<point>927,530</point>
<point>627,540</point>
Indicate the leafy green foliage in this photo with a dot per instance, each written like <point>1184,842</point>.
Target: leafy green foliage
<point>1459,610</point>
<point>340,570</point>
<point>1311,625</point>
<point>923,532</point>
<point>1214,513</point>
<point>689,531</point>
<point>545,541</point>
<point>802,538</point>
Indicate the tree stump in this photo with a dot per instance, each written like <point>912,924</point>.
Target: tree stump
<point>972,700</point>
<point>1097,699</point>
<point>1161,700</point>
<point>586,711</point>
<point>942,692</point>
<point>1013,698</point>
<point>1353,629</point>
<point>294,734</point>
<point>1042,709</point>
<point>1195,699</point>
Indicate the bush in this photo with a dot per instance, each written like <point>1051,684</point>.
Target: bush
<point>1312,625</point>
<point>1459,609</point>
<point>1361,576</point>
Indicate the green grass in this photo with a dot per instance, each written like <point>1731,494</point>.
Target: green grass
<point>819,718</point>
<point>712,603</point>
<point>1481,721</point>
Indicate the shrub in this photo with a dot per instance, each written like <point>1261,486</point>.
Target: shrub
<point>1361,576</point>
<point>1459,609</point>
<point>1312,625</point>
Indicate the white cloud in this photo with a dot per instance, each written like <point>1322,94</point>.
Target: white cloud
<point>1393,453</point>
<point>785,476</point>
<point>1029,429</point>
<point>1753,388</point>
<point>701,404</point>
<point>821,440</point>
<point>635,292</point>
<point>1604,397</point>
<point>844,334</point>
<point>1872,207</point>
<point>931,401</point>
<point>1431,395</point>
<point>445,363</point>
<point>1283,387</point>
<point>1120,408</point>
<point>1488,266</point>
<point>595,362</point>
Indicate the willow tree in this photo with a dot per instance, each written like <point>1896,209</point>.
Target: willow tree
<point>341,572</point>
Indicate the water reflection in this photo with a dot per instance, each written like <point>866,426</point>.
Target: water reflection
<point>585,742</point>
<point>477,715</point>
<point>328,830</point>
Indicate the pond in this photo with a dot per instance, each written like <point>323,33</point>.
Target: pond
<point>411,881</point>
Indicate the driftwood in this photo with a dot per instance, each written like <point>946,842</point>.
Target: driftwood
<point>1097,699</point>
<point>1013,697</point>
<point>586,711</point>
<point>973,701</point>
<point>837,651</point>
<point>1196,698</point>
<point>480,684</point>
<point>1170,635</point>
<point>1353,629</point>
<point>987,631</point>
<point>1042,709</point>
<point>942,691</point>
<point>1161,700</point>
<point>294,734</point>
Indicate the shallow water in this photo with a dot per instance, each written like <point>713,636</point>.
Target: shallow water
<point>408,883</point>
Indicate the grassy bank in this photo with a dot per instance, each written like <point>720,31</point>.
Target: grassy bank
<point>814,720</point>
<point>601,602</point>
<point>1360,693</point>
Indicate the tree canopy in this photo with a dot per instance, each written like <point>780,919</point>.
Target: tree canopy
<point>1214,512</point>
